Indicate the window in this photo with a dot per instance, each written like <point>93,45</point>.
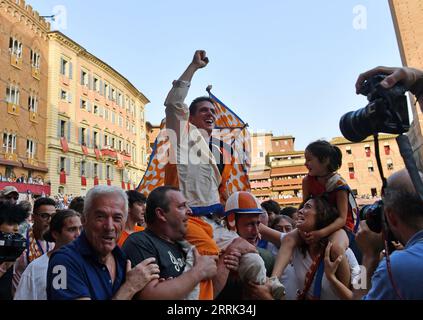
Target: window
<point>95,109</point>
<point>83,168</point>
<point>15,47</point>
<point>95,170</point>
<point>63,95</point>
<point>120,145</point>
<point>113,117</point>
<point>30,148</point>
<point>13,94</point>
<point>374,192</point>
<point>84,78</point>
<point>106,114</point>
<point>113,94</point>
<point>96,84</point>
<point>370,166</point>
<point>108,172</point>
<point>95,139</point>
<point>32,103</point>
<point>120,121</point>
<point>367,150</point>
<point>35,59</point>
<point>83,104</point>
<point>351,170</point>
<point>348,150</point>
<point>106,140</point>
<point>9,143</point>
<point>113,143</point>
<point>107,90</point>
<point>62,128</point>
<point>62,164</point>
<point>261,155</point>
<point>387,150</point>
<point>390,164</point>
<point>119,100</point>
<point>66,67</point>
<point>83,135</point>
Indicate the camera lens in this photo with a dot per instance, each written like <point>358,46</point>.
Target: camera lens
<point>355,125</point>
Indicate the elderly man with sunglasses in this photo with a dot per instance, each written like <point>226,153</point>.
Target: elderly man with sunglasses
<point>36,246</point>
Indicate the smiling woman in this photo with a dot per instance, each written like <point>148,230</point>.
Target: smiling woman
<point>310,281</point>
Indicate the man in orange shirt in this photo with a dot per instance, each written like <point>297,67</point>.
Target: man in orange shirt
<point>135,221</point>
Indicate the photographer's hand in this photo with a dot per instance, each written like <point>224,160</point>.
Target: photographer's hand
<point>410,77</point>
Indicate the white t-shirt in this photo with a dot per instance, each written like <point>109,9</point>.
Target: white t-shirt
<point>33,282</point>
<point>301,265</point>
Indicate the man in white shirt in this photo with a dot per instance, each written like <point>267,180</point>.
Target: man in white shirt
<point>65,226</point>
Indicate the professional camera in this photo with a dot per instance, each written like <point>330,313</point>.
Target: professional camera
<point>11,246</point>
<point>372,213</point>
<point>386,112</point>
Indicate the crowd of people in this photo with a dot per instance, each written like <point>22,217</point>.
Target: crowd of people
<point>189,240</point>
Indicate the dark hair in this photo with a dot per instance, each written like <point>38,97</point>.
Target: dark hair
<point>323,150</point>
<point>271,205</point>
<point>194,104</point>
<point>279,218</point>
<point>44,201</point>
<point>57,222</point>
<point>288,211</point>
<point>135,196</point>
<point>12,213</point>
<point>325,212</point>
<point>406,205</point>
<point>157,199</point>
<point>77,204</point>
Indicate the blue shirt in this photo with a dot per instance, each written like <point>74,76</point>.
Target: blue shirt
<point>407,271</point>
<point>74,271</point>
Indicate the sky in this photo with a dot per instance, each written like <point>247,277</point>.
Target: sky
<point>287,67</point>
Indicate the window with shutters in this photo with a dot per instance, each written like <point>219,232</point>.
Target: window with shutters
<point>63,95</point>
<point>62,164</point>
<point>83,136</point>
<point>95,139</point>
<point>66,67</point>
<point>83,168</point>
<point>96,84</point>
<point>84,78</point>
<point>62,128</point>
<point>108,172</point>
<point>83,104</point>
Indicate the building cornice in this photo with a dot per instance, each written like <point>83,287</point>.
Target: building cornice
<point>342,140</point>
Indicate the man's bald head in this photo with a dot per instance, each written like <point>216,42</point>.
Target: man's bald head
<point>400,197</point>
<point>401,180</point>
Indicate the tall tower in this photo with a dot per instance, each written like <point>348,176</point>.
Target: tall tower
<point>408,23</point>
